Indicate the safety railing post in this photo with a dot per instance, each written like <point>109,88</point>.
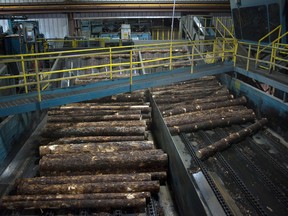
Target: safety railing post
<point>131,68</point>
<point>214,50</point>
<point>157,34</point>
<point>110,62</point>
<point>248,58</point>
<point>223,49</point>
<point>257,53</point>
<point>170,57</point>
<point>235,52</point>
<point>192,58</point>
<point>37,80</point>
<point>24,73</point>
<point>272,58</point>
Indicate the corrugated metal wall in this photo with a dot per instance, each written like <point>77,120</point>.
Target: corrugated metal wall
<point>51,25</point>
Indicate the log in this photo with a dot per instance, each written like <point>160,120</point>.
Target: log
<point>94,196</point>
<point>206,106</point>
<point>192,90</point>
<point>87,178</point>
<point>96,139</point>
<point>81,106</point>
<point>103,164</point>
<point>88,188</point>
<point>197,101</point>
<point>92,118</point>
<point>96,147</point>
<point>104,204</point>
<point>186,85</point>
<point>55,126</point>
<point>194,117</point>
<point>209,124</point>
<point>225,142</point>
<point>93,112</point>
<point>191,97</point>
<point>97,131</point>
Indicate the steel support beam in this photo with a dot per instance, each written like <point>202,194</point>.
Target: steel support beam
<point>109,7</point>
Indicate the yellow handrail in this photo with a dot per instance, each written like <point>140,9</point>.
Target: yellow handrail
<point>129,62</point>
<point>225,29</point>
<point>279,28</point>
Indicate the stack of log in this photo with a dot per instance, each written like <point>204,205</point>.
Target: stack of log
<point>99,156</point>
<point>200,104</point>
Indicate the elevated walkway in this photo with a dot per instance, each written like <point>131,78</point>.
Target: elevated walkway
<point>51,98</point>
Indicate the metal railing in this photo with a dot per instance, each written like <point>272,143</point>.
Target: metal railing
<point>123,61</point>
<point>265,48</point>
<point>39,77</point>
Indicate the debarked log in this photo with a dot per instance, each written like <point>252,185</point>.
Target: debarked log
<point>88,188</point>
<point>224,143</point>
<point>98,131</point>
<point>106,204</point>
<point>103,164</point>
<point>194,117</point>
<point>96,147</point>
<point>96,139</point>
<point>209,124</point>
<point>206,106</point>
<point>44,180</point>
<point>93,118</point>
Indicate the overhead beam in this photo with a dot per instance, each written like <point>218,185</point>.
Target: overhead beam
<point>109,7</point>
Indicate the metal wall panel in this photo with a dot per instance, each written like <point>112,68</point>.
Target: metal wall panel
<point>52,25</point>
<point>4,24</point>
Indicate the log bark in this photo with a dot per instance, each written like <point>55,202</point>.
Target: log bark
<point>97,131</point>
<point>194,117</point>
<point>183,85</point>
<point>103,163</point>
<point>96,139</point>
<point>95,196</point>
<point>205,106</point>
<point>96,147</point>
<point>196,101</point>
<point>93,118</point>
<point>209,124</point>
<point>224,143</point>
<point>192,90</point>
<point>50,127</point>
<point>93,112</point>
<point>81,106</point>
<point>88,188</point>
<point>88,179</point>
<point>106,204</point>
<point>192,97</point>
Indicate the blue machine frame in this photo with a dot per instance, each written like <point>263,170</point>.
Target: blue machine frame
<point>269,22</point>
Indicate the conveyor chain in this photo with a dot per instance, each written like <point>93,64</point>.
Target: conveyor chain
<point>151,208</point>
<point>236,177</point>
<point>199,163</point>
<point>272,187</point>
<point>280,167</point>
